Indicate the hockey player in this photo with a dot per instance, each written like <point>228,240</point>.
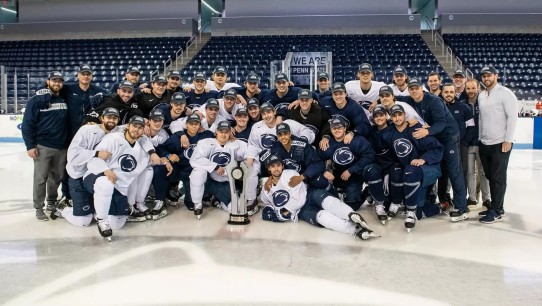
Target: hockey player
<point>284,202</point>
<point>147,101</point>
<point>197,94</point>
<point>45,134</point>
<point>251,89</point>
<point>346,163</point>
<point>209,121</point>
<point>132,75</point>
<point>242,128</point>
<point>253,108</point>
<point>261,139</point>
<point>364,91</point>
<point>218,83</point>
<point>442,125</point>
<point>323,89</point>
<point>297,154</point>
<point>208,161</point>
<point>310,114</point>
<point>123,101</point>
<point>228,105</point>
<point>125,173</point>
<point>282,95</point>
<point>420,158</point>
<point>175,110</point>
<point>400,82</point>
<point>387,99</point>
<point>341,106</point>
<point>80,152</point>
<point>179,158</point>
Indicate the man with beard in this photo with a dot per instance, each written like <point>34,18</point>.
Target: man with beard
<point>310,114</point>
<point>498,117</point>
<point>174,111</point>
<point>123,101</point>
<point>45,134</point>
<point>80,152</point>
<point>400,81</point>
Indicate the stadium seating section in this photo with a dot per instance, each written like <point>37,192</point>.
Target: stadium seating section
<point>110,58</point>
<point>242,54</point>
<point>516,56</point>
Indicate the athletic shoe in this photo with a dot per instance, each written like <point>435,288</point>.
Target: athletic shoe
<point>484,213</point>
<point>40,215</point>
<point>471,202</point>
<point>491,217</point>
<point>456,215</point>
<point>487,204</point>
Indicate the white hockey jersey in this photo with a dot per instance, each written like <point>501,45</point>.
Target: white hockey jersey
<point>222,110</point>
<point>82,149</point>
<point>159,138</point>
<point>209,154</point>
<point>282,196</point>
<point>126,161</point>
<point>211,85</point>
<point>399,92</point>
<point>354,92</point>
<point>262,137</point>
<point>180,124</point>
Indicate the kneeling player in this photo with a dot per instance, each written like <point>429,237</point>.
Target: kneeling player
<point>315,206</point>
<point>125,173</point>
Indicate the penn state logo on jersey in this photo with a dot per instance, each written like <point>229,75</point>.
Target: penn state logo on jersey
<point>280,198</point>
<point>193,106</point>
<point>268,140</point>
<point>291,164</point>
<point>365,104</point>
<point>337,116</point>
<point>343,156</point>
<point>402,147</point>
<point>188,151</point>
<point>221,158</point>
<point>127,163</point>
<point>282,106</point>
<point>313,129</point>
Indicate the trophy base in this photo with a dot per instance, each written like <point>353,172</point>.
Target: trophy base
<point>238,219</point>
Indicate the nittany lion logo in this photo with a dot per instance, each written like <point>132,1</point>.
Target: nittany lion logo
<point>337,116</point>
<point>280,198</point>
<point>221,158</point>
<point>268,140</point>
<point>127,163</point>
<point>343,156</point>
<point>402,147</point>
<point>188,151</point>
<point>291,164</point>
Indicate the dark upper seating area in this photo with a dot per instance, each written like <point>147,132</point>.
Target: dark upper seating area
<point>109,57</point>
<point>518,57</point>
<point>242,54</point>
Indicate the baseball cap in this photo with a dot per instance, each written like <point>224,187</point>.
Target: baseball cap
<point>133,69</point>
<point>159,79</point>
<point>174,73</point>
<point>385,89</point>
<point>193,117</point>
<point>137,120</point>
<point>323,75</point>
<point>281,77</point>
<point>304,94</point>
<point>178,98</point>
<point>253,102</point>
<point>366,67</point>
<point>266,106</point>
<point>283,128</point>
<point>111,111</point>
<point>414,82</point>
<point>157,114</point>
<point>223,125</point>
<point>212,103</point>
<point>337,122</point>
<point>230,93</point>
<point>126,84</point>
<point>241,111</point>
<point>488,69</point>
<point>252,78</point>
<point>85,68</point>
<point>396,109</point>
<point>55,75</point>
<point>459,72</point>
<point>273,159</point>
<point>338,86</point>
<point>379,109</point>
<point>200,76</point>
<point>220,69</point>
<point>400,70</point>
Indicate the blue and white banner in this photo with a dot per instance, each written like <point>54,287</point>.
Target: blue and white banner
<point>302,62</point>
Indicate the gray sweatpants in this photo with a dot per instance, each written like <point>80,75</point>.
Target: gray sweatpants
<point>48,171</point>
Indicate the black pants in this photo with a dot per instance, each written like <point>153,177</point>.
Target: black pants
<point>495,164</point>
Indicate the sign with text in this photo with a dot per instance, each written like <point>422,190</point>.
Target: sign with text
<point>302,62</point>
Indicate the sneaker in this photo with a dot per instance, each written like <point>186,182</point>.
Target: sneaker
<point>252,208</point>
<point>141,207</point>
<point>471,202</point>
<point>484,213</point>
<point>40,215</point>
<point>159,210</point>
<point>394,209</point>
<point>491,217</point>
<point>487,204</point>
<point>456,215</point>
